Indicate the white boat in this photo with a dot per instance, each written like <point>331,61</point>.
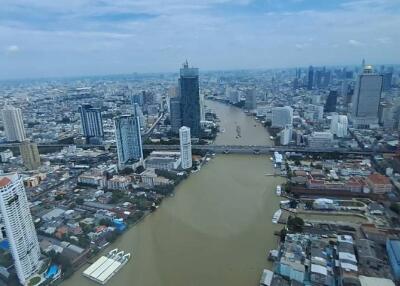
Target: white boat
<point>276,216</point>
<point>278,190</point>
<point>266,278</point>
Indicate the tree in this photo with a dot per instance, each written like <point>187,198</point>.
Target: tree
<point>395,207</point>
<point>309,204</point>
<point>79,201</point>
<point>295,224</point>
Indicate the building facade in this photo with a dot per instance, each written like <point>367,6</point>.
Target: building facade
<point>366,98</point>
<point>251,99</point>
<point>190,99</point>
<point>19,227</point>
<point>13,124</point>
<point>30,155</point>
<point>186,147</point>
<point>281,116</point>
<point>92,123</point>
<point>128,140</point>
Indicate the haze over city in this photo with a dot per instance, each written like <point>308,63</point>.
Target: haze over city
<point>88,37</point>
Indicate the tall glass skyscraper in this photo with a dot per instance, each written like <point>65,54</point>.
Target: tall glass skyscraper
<point>20,230</point>
<point>128,139</point>
<point>92,123</point>
<point>190,99</point>
<point>366,98</point>
<point>310,82</point>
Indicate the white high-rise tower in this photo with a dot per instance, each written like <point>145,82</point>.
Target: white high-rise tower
<point>13,124</point>
<point>20,230</point>
<point>186,147</point>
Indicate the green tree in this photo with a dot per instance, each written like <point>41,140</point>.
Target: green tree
<point>295,224</point>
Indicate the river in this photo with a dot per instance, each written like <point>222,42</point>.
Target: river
<point>217,228</point>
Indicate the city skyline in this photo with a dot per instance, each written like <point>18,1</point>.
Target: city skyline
<point>94,38</point>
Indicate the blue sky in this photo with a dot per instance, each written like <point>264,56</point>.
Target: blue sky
<point>87,37</point>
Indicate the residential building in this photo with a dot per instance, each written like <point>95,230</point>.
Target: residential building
<point>128,139</point>
<point>281,116</point>
<point>251,99</point>
<point>339,125</point>
<point>30,155</point>
<point>393,251</point>
<point>6,155</point>
<point>286,135</point>
<point>185,147</point>
<point>190,99</point>
<point>13,124</point>
<point>19,227</point>
<point>92,123</point>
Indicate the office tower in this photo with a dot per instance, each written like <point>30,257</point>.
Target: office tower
<point>366,98</point>
<point>327,79</point>
<point>281,116</point>
<point>387,81</point>
<point>314,113</point>
<point>310,81</point>
<point>344,89</point>
<point>30,155</point>
<point>286,135</point>
<point>13,124</point>
<point>137,98</point>
<point>318,78</point>
<point>387,115</point>
<point>251,99</point>
<point>186,147</point>
<point>190,99</point>
<point>295,83</point>
<point>19,227</point>
<point>331,101</point>
<point>92,123</point>
<point>339,125</point>
<point>175,114</point>
<point>128,139</point>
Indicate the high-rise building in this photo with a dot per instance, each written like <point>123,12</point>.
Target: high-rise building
<point>286,135</point>
<point>331,101</point>
<point>190,99</point>
<point>251,99</point>
<point>19,227</point>
<point>339,125</point>
<point>30,155</point>
<point>366,98</point>
<point>175,114</point>
<point>310,81</point>
<point>387,81</point>
<point>92,123</point>
<point>13,124</point>
<point>186,147</point>
<point>282,116</point>
<point>128,139</point>
<point>320,140</point>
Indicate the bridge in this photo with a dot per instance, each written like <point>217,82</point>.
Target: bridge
<point>226,149</point>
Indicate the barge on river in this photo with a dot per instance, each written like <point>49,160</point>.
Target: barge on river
<point>106,266</point>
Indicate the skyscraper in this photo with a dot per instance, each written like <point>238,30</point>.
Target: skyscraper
<point>92,123</point>
<point>186,147</point>
<point>251,99</point>
<point>175,114</point>
<point>128,139</point>
<point>366,98</point>
<point>282,116</point>
<point>331,101</point>
<point>190,99</point>
<point>13,124</point>
<point>19,227</point>
<point>310,81</point>
<point>30,155</point>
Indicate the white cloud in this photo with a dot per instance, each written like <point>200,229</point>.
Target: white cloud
<point>12,49</point>
<point>355,43</point>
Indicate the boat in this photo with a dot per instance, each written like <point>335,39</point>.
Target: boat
<point>276,216</point>
<point>103,269</point>
<point>266,278</point>
<point>273,255</point>
<point>278,190</point>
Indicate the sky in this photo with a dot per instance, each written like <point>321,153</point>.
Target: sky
<point>56,38</point>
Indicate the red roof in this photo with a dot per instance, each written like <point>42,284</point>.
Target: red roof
<point>379,179</point>
<point>4,182</point>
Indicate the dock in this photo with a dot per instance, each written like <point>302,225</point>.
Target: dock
<point>107,266</point>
